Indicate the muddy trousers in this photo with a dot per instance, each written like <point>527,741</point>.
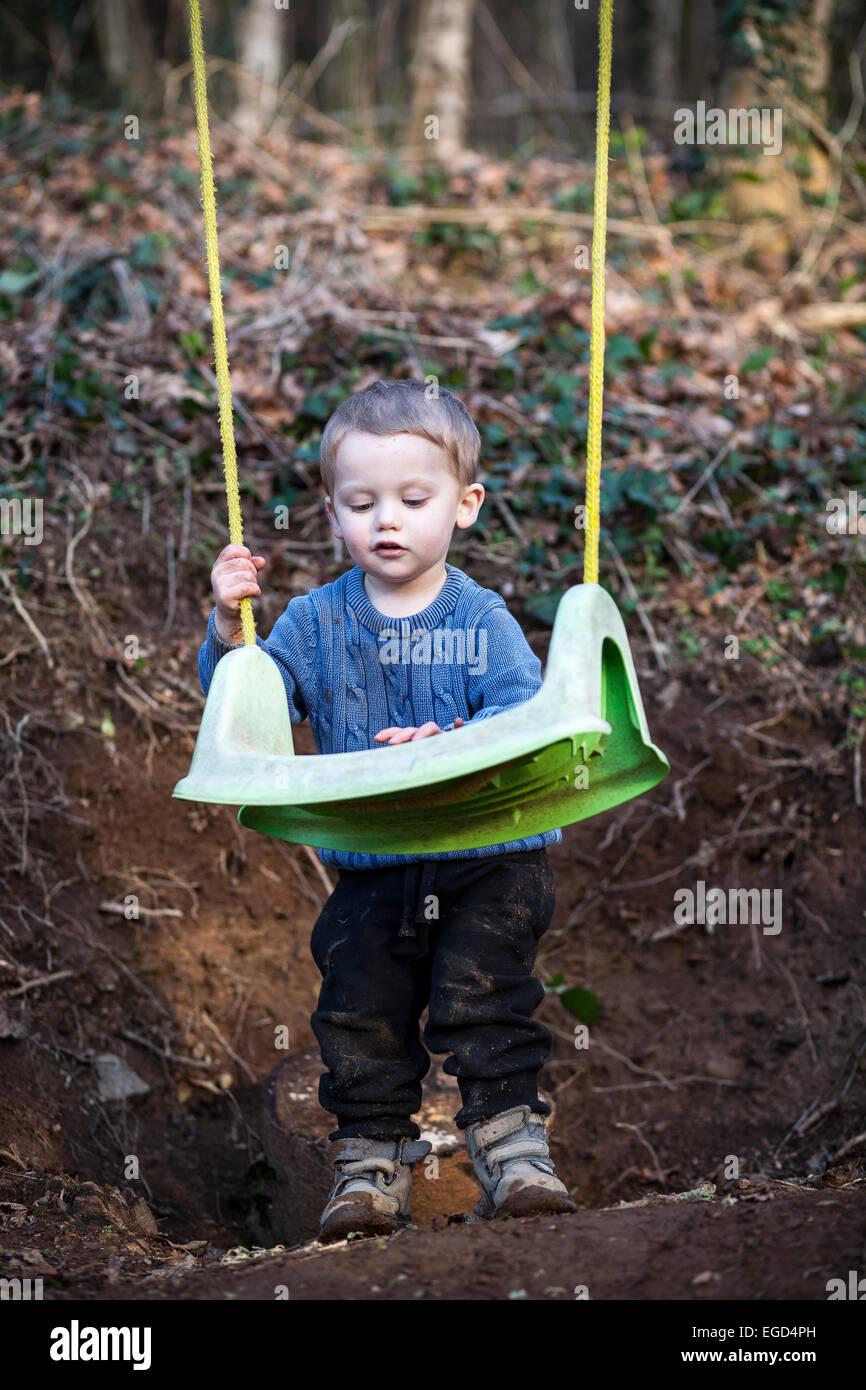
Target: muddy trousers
<point>459,936</point>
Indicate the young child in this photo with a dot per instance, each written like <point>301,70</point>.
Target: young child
<point>456,931</point>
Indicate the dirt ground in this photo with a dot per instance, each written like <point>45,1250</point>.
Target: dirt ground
<point>726,1064</point>
<point>701,1249</point>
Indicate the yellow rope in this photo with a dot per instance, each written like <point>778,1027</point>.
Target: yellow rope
<point>221,358</point>
<point>597,336</point>
<point>596,342</point>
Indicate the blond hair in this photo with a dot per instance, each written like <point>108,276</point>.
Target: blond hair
<point>403,407</point>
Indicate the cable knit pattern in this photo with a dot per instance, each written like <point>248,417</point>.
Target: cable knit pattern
<point>353,671</point>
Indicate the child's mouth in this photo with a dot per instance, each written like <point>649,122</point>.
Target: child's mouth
<point>389,549</point>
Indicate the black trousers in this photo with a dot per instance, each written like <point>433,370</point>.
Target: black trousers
<point>460,936</point>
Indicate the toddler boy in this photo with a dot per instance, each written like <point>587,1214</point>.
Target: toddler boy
<point>458,931</point>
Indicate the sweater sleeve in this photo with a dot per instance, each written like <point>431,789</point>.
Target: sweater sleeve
<point>506,671</point>
<point>291,645</point>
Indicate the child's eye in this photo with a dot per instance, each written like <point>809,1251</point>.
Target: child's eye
<point>409,501</point>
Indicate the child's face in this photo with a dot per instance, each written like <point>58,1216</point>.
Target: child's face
<point>398,490</point>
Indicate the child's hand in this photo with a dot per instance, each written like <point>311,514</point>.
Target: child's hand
<point>409,735</point>
<point>233,577</point>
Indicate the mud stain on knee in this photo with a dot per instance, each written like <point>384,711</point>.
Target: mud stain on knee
<point>462,973</point>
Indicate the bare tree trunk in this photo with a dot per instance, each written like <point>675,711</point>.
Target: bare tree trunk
<point>439,76</point>
<point>261,45</point>
<point>127,48</point>
<point>792,56</point>
<point>698,49</point>
<point>665,31</point>
<point>816,60</point>
<point>347,83</point>
<point>554,48</point>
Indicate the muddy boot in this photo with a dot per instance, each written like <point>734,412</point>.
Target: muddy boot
<point>513,1166</point>
<point>372,1186</point>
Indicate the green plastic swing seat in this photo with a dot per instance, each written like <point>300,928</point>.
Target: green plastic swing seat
<point>580,746</point>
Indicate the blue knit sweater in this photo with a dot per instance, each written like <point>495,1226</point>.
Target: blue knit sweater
<point>353,671</point>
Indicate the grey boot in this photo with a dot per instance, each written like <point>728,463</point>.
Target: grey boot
<point>513,1166</point>
<point>372,1186</point>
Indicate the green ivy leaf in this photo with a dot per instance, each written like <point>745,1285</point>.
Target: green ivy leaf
<point>581,1003</point>
<point>756,360</point>
<point>544,606</point>
<point>17,281</point>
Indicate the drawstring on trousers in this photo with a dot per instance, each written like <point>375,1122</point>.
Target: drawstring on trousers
<point>418,879</point>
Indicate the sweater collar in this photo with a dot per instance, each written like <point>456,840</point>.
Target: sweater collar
<point>429,617</point>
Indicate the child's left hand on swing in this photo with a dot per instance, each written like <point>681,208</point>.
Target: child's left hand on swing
<point>409,735</point>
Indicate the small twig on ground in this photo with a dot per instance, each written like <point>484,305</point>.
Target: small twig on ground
<point>705,476</point>
<point>12,1155</point>
<point>319,867</point>
<point>186,515</point>
<point>801,1009</point>
<point>847,1148</point>
<point>508,517</point>
<point>26,618</point>
<point>721,503</point>
<point>818,1109</point>
<point>315,898</point>
<point>499,216</point>
<point>658,650</point>
<point>166,1055</point>
<point>615,829</point>
<point>622,1124</point>
<point>798,902</point>
<point>99,639</point>
<point>144,704</point>
<point>142,876</point>
<point>681,1081</point>
<point>120,910</point>
<point>99,946</point>
<point>40,980</point>
<point>208,1021</point>
<point>620,1057</point>
<point>858,765</point>
<point>172,580</point>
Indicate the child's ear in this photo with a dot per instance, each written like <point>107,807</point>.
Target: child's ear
<point>472,501</point>
<point>332,520</point>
